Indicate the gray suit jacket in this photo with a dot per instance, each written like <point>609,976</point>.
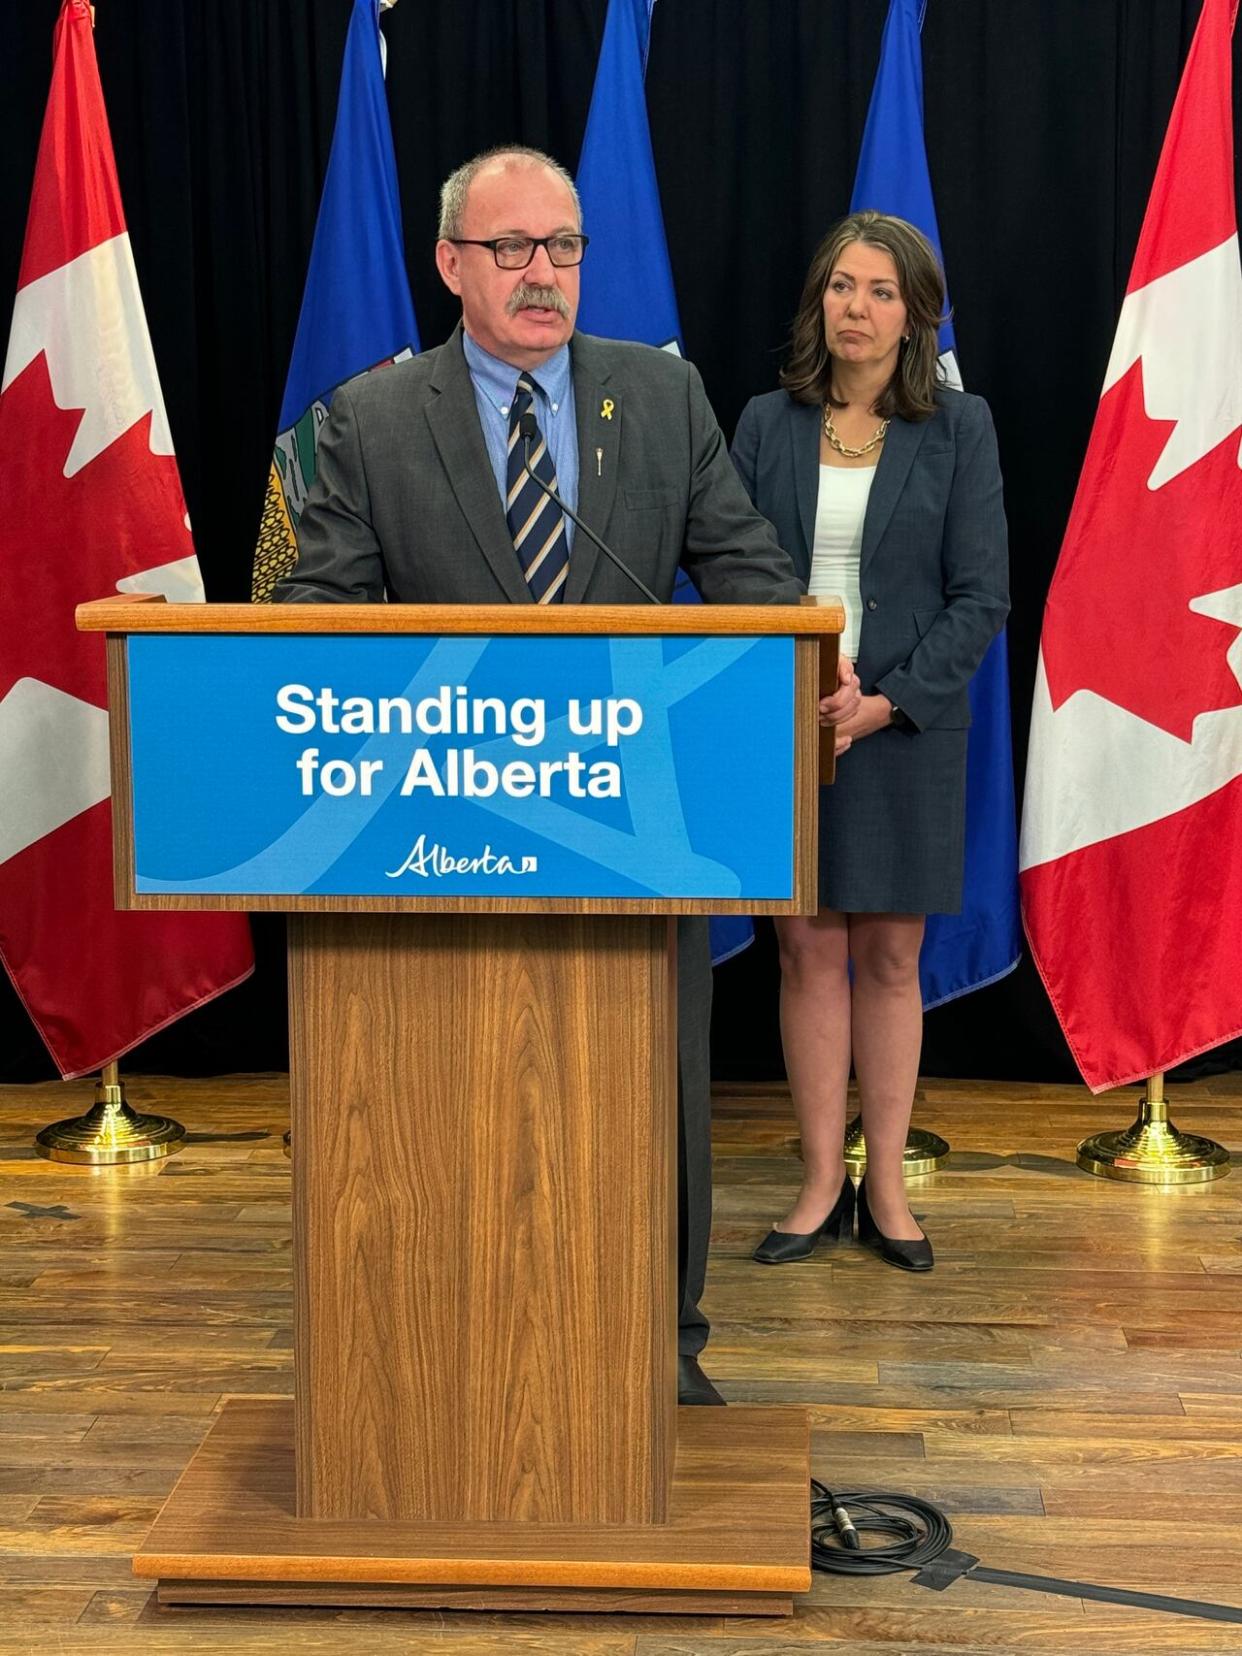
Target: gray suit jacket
<point>405,503</point>
<point>934,571</point>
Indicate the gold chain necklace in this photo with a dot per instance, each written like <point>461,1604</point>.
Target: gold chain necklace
<point>834,440</point>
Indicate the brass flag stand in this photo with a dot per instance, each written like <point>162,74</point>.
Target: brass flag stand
<point>1152,1150</point>
<point>111,1133</point>
<point>924,1152</point>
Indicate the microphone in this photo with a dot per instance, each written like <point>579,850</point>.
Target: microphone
<point>527,427</point>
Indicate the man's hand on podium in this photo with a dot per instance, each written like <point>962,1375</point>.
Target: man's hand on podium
<point>843,703</point>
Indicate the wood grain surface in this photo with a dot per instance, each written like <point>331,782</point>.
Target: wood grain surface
<point>232,1518</point>
<point>608,1601</point>
<point>829,656</point>
<point>485,1175</point>
<point>122,773</point>
<point>311,903</point>
<point>1067,1383</point>
<point>138,614</point>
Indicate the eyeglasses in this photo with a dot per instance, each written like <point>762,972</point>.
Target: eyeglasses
<point>516,252</point>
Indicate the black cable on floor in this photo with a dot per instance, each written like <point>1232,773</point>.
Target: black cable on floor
<point>914,1534</point>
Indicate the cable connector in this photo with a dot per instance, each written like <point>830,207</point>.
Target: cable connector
<point>845,1529</point>
<point>903,1532</point>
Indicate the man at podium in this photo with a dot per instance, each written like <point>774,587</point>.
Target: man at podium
<point>523,462</point>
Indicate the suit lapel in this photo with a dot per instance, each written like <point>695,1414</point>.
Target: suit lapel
<point>805,419</point>
<point>597,411</point>
<point>454,420</point>
<point>896,457</point>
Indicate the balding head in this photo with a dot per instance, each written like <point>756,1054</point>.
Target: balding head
<point>508,158</point>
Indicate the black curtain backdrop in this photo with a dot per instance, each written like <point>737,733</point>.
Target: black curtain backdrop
<point>1044,120</point>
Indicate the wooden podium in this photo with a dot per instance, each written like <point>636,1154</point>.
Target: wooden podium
<point>484,1177</point>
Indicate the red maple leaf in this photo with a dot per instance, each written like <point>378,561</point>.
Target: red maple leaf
<point>1118,619</point>
<point>65,540</point>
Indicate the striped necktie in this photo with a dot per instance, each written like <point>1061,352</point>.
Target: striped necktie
<point>535,522</point>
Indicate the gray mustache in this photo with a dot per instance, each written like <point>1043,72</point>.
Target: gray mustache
<point>547,298</point>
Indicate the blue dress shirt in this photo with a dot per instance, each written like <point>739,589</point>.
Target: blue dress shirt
<point>495,383</point>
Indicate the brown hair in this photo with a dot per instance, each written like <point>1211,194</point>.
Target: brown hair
<point>910,393</point>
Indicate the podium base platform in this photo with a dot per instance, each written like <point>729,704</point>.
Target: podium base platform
<point>737,1542</point>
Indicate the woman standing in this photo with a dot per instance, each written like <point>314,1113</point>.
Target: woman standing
<point>884,486</point>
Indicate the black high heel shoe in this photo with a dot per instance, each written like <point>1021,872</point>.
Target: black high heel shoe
<point>893,1250</point>
<point>782,1247</point>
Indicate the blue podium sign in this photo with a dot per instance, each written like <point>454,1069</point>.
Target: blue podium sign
<point>402,766</point>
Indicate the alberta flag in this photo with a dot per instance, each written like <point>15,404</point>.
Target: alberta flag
<point>357,312</point>
<point>962,951</point>
<point>627,281</point>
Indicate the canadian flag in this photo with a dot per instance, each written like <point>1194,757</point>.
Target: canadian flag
<point>1131,850</point>
<point>90,505</point>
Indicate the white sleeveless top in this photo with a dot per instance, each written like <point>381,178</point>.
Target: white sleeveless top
<point>839,513</point>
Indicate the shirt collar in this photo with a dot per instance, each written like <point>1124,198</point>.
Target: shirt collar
<point>497,380</point>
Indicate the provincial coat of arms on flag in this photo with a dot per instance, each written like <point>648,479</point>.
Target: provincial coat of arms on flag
<point>288,483</point>
<point>357,313</point>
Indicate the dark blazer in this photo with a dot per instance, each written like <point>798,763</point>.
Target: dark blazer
<point>934,573</point>
<point>405,503</point>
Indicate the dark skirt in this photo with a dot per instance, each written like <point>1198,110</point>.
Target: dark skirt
<point>892,827</point>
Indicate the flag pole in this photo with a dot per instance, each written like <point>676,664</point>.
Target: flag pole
<point>1152,1150</point>
<point>924,1151</point>
<point>111,1133</point>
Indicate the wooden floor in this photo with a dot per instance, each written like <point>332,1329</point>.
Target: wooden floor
<point>1067,1385</point>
